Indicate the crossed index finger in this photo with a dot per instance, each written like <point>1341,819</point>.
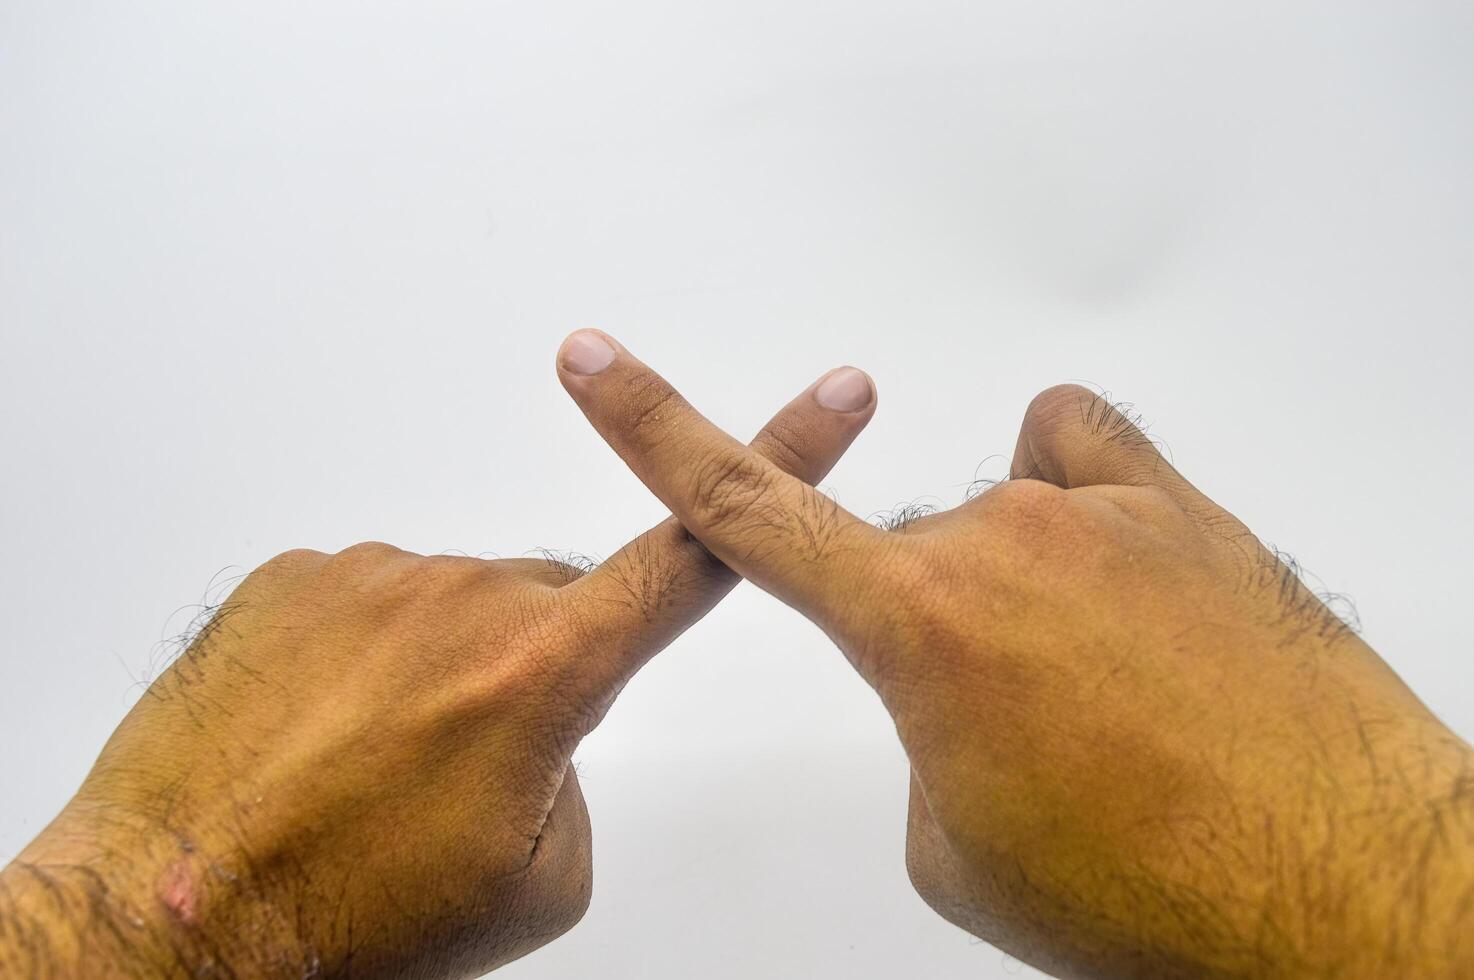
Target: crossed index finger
<point>767,525</point>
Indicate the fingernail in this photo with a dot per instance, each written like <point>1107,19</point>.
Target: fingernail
<point>845,390</point>
<point>585,352</point>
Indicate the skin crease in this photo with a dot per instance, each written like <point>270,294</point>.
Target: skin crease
<point>1139,746</point>
<point>361,766</point>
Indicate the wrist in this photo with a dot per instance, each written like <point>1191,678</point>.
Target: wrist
<point>63,915</point>
<point>1405,850</point>
<point>97,895</point>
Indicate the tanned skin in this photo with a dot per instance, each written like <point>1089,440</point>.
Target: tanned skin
<point>361,767</point>
<point>1139,746</point>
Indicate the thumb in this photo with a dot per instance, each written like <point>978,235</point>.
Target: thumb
<point>1073,437</point>
<point>772,528</point>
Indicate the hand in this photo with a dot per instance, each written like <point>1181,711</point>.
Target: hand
<point>362,763</point>
<point>1139,745</point>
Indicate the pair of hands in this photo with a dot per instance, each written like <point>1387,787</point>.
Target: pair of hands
<point>1138,745</point>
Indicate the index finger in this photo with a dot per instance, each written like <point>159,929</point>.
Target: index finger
<point>768,526</point>
<point>655,587</point>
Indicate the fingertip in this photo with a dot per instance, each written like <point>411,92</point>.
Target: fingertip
<point>846,390</point>
<point>584,353</point>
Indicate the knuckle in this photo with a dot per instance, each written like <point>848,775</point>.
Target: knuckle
<point>781,442</point>
<point>367,553</point>
<point>449,573</point>
<point>294,560</point>
<point>283,567</point>
<point>1025,502</point>
<point>653,402</point>
<point>727,487</point>
<point>1041,519</point>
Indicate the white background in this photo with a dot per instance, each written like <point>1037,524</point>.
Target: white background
<point>280,274</point>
